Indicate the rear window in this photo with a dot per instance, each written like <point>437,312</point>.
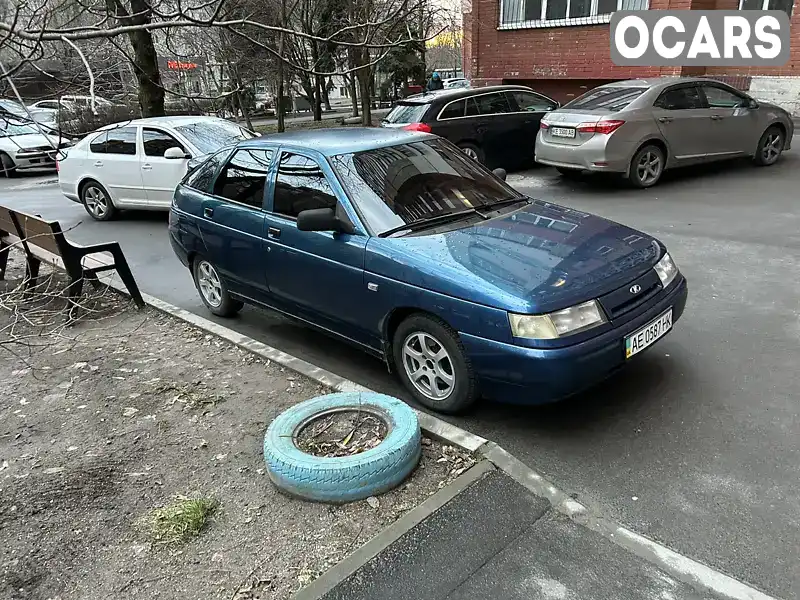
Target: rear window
<point>611,99</point>
<point>407,113</point>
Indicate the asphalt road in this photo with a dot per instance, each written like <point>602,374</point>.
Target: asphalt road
<point>697,443</point>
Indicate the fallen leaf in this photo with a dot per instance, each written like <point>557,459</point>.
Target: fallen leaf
<point>129,411</point>
<point>79,365</point>
<point>373,502</point>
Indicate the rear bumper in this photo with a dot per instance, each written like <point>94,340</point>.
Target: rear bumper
<point>592,155</point>
<point>520,375</point>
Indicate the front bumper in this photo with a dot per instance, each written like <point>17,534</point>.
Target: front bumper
<point>521,375</point>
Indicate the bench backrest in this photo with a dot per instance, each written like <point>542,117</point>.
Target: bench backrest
<point>36,231</point>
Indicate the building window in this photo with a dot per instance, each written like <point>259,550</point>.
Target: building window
<point>520,14</point>
<point>784,5</point>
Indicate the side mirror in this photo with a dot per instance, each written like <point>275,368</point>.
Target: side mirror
<point>500,173</point>
<point>558,105</point>
<point>175,153</point>
<point>752,104</point>
<point>322,219</point>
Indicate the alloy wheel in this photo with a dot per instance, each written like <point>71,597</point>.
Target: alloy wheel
<point>648,169</point>
<point>471,153</point>
<point>773,146</point>
<point>428,366</point>
<point>96,202</point>
<point>209,284</point>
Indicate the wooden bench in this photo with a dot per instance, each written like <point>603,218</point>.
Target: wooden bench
<point>43,240</point>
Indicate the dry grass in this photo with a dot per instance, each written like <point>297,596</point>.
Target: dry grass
<point>180,521</point>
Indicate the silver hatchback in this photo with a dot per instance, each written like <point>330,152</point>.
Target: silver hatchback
<point>639,128</point>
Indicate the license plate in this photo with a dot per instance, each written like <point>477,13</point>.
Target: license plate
<point>647,335</point>
<point>564,132</point>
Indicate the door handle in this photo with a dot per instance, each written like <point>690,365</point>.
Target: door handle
<point>147,167</point>
<point>208,212</point>
<point>274,233</point>
<point>98,163</point>
<point>716,117</point>
<point>665,119</point>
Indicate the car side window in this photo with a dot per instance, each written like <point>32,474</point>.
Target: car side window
<point>493,104</point>
<point>203,176</point>
<point>682,98</point>
<point>98,144</point>
<point>454,110</point>
<point>243,178</point>
<point>718,97</point>
<point>529,102</point>
<point>472,108</point>
<point>121,141</point>
<point>156,142</point>
<point>301,185</point>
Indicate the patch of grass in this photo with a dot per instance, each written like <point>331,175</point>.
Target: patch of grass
<point>180,521</point>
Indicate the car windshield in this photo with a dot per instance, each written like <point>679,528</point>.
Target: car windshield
<point>406,113</point>
<point>209,136</point>
<point>403,184</point>
<point>611,99</point>
<point>11,106</point>
<point>8,129</point>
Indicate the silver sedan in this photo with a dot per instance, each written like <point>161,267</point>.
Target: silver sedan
<point>639,128</point>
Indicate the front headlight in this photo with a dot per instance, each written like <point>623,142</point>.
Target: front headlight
<point>557,324</point>
<point>666,270</point>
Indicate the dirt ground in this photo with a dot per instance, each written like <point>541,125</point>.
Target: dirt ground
<point>116,416</point>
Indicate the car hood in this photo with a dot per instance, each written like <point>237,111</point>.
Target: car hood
<point>541,258</point>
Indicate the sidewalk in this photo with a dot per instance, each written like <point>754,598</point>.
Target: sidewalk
<point>497,540</point>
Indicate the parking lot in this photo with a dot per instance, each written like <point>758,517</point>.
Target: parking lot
<point>696,443</point>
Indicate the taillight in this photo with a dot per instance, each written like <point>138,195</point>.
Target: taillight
<point>543,125</point>
<point>604,127</point>
<point>418,127</point>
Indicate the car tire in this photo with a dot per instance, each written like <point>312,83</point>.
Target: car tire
<point>7,163</point>
<point>345,478</point>
<point>770,147</point>
<point>647,166</point>
<point>569,173</point>
<point>429,348</point>
<point>97,201</point>
<point>474,152</point>
<point>212,289</point>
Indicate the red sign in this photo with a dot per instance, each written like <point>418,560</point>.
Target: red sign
<point>177,65</point>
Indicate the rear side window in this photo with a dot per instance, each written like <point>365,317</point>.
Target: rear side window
<point>683,98</point>
<point>243,178</point>
<point>201,179</point>
<point>121,141</point>
<point>407,113</point>
<point>98,144</point>
<point>492,104</point>
<point>611,99</point>
<point>454,110</point>
<point>301,185</point>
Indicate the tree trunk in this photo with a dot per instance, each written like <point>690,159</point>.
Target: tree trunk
<point>364,79</point>
<point>352,82</point>
<point>317,104</point>
<point>151,92</point>
<point>326,98</point>
<point>279,107</point>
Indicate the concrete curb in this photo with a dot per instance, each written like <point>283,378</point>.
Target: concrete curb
<point>355,560</point>
<point>677,565</point>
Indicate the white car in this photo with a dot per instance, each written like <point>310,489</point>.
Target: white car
<point>9,109</point>
<point>138,164</point>
<point>22,146</point>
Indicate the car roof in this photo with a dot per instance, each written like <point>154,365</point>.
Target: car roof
<point>173,121</point>
<point>340,140</point>
<point>659,82</point>
<point>458,93</point>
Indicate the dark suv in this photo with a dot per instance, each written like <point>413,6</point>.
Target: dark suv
<point>495,125</point>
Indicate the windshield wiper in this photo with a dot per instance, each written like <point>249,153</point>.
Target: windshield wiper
<point>432,222</point>
<point>501,203</point>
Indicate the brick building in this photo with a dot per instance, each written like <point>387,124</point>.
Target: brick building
<point>562,47</point>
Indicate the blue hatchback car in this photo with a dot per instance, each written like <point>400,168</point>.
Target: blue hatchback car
<point>399,243</point>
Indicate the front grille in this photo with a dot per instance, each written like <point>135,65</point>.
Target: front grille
<point>622,300</point>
